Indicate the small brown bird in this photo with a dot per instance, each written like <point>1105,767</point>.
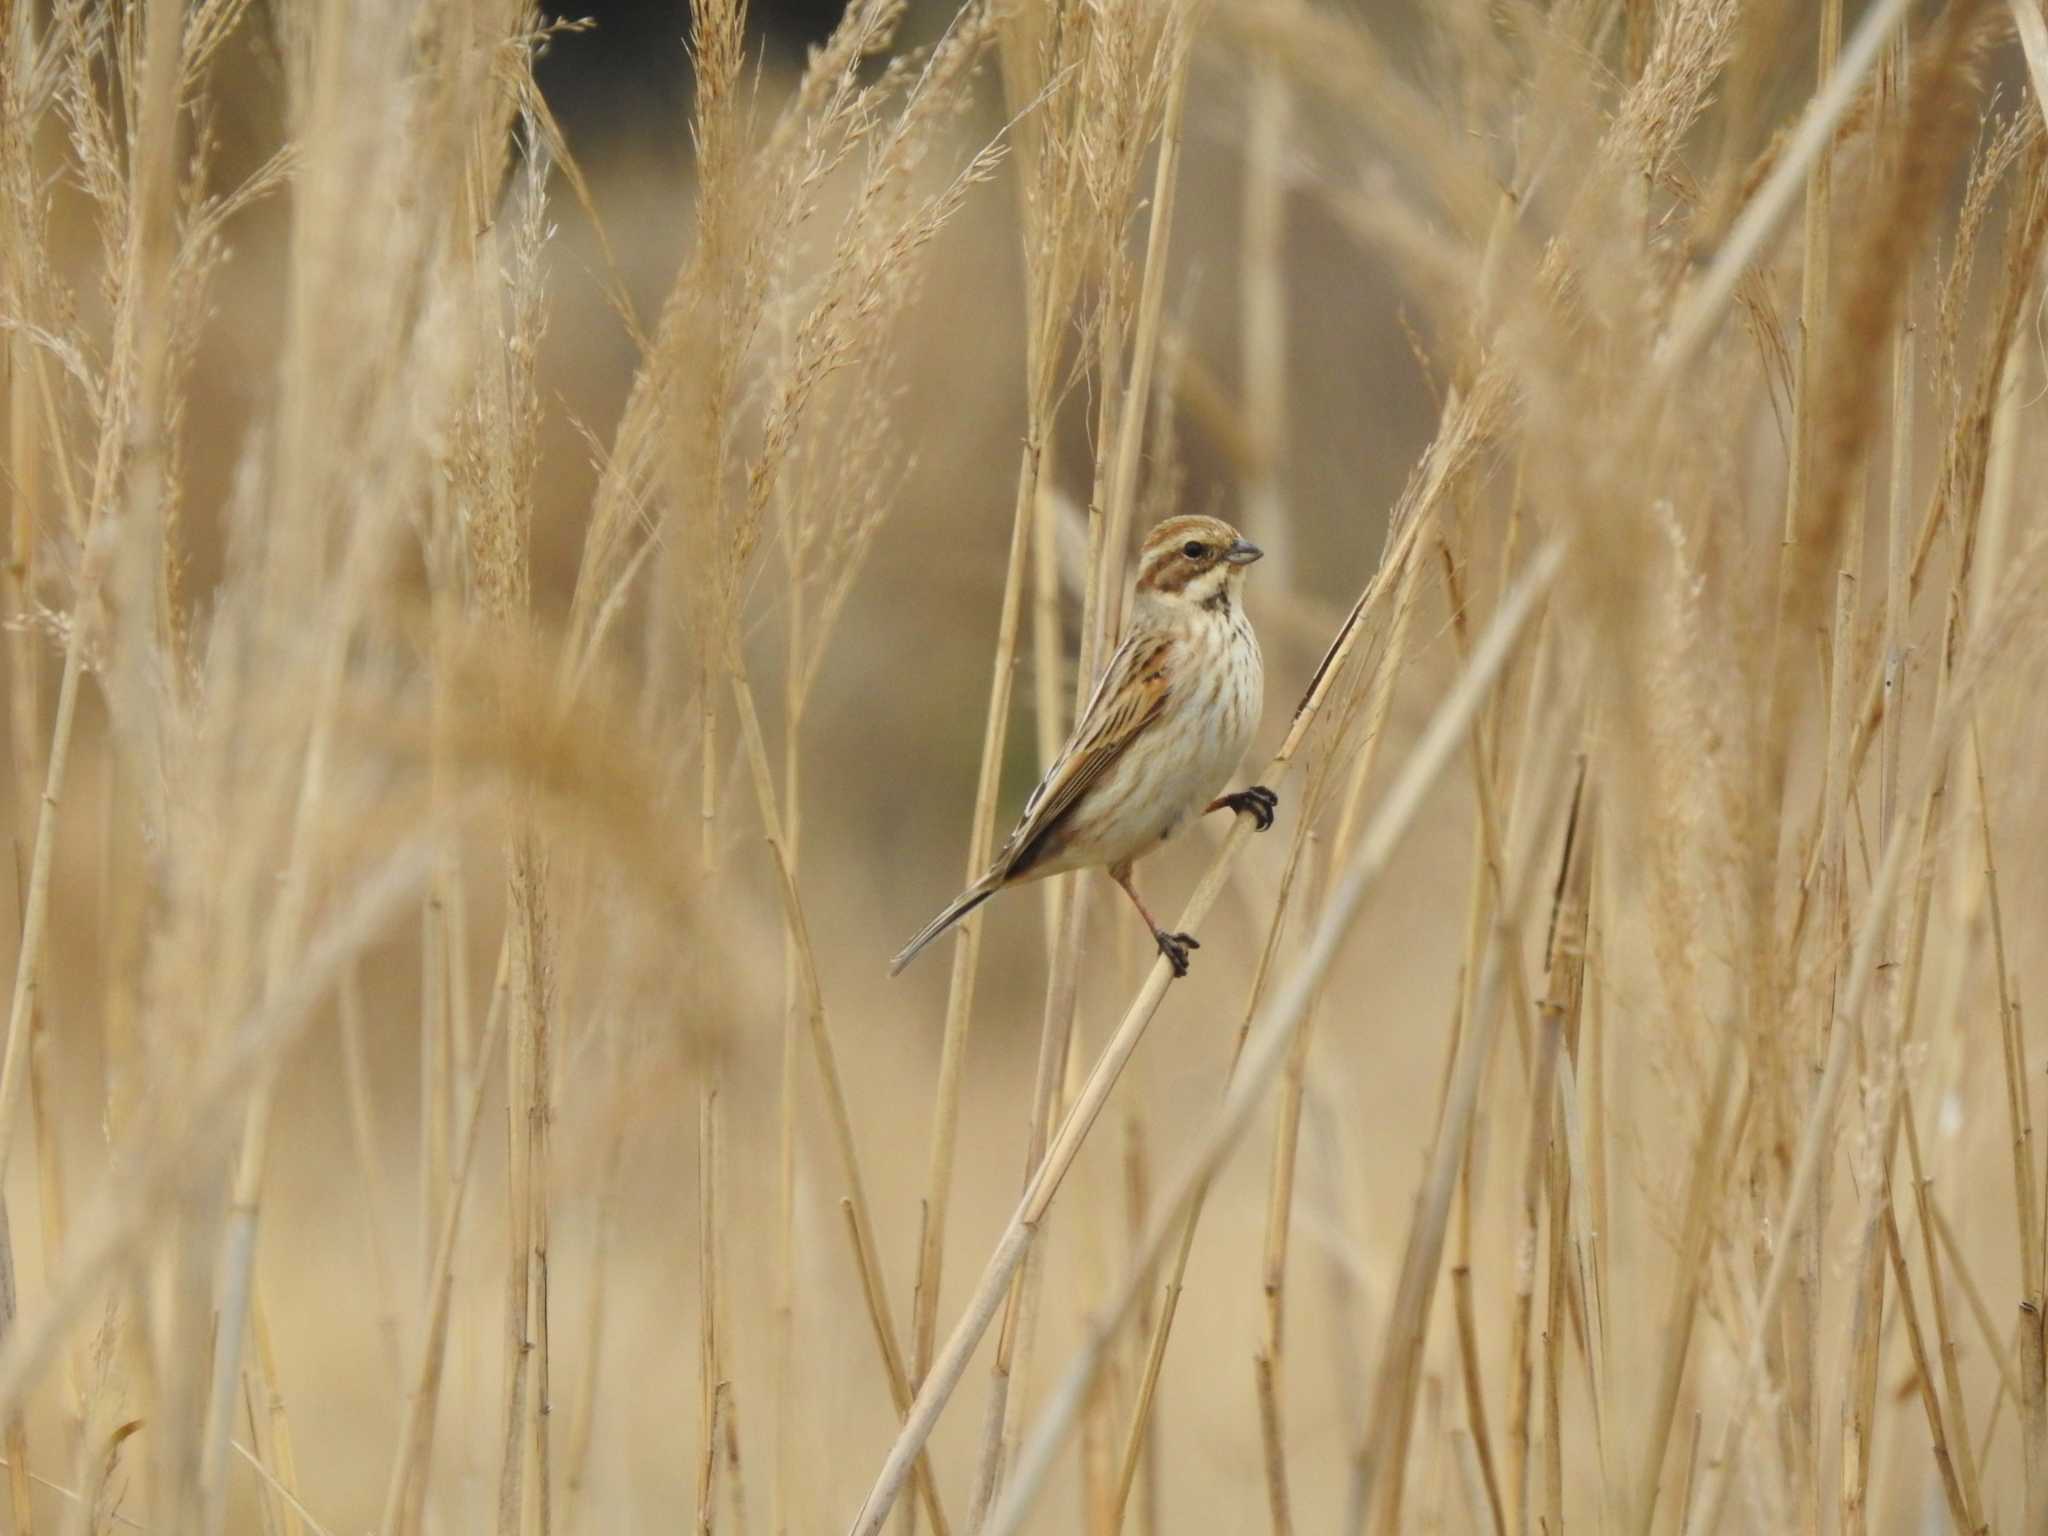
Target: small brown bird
<point>1170,716</point>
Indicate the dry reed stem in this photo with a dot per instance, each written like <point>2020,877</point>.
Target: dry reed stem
<point>363,1132</point>
<point>1269,1360</point>
<point>1696,1233</point>
<point>1262,304</point>
<point>1815,1134</point>
<point>1996,1350</point>
<point>1048,295</point>
<point>1475,1411</point>
<point>1954,1413</point>
<point>2012,1048</point>
<point>865,1248</point>
<point>1538,1170</point>
<point>2033,34</point>
<point>1120,433</point>
<point>2033,1352</point>
<point>583,1412</point>
<point>1145,341</point>
<point>1700,312</point>
<point>1923,1376</point>
<point>1391,1418</point>
<point>1414,526</point>
<point>711,1383</point>
<point>405,1492</point>
<point>277,1487</point>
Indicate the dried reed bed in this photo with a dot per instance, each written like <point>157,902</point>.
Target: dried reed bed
<point>464,788</point>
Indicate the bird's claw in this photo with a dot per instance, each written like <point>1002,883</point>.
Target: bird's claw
<point>1258,801</point>
<point>1175,947</point>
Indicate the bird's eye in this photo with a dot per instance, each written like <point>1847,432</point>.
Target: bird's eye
<point>1194,549</point>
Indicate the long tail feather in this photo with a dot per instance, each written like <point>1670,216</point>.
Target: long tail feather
<point>963,904</point>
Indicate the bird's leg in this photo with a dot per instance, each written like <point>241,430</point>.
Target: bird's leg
<point>1259,801</point>
<point>1174,946</point>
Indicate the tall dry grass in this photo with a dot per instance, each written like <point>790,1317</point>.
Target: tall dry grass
<point>494,649</point>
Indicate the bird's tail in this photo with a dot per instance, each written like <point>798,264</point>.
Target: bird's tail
<point>962,904</point>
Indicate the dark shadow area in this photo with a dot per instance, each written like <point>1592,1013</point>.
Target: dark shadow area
<point>627,78</point>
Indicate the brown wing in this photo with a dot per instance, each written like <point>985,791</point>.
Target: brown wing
<point>1129,697</point>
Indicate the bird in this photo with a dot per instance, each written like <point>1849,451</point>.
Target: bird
<point>1162,733</point>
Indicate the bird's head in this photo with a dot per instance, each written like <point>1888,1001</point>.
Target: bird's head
<point>1195,560</point>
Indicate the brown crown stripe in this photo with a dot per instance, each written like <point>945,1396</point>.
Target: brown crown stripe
<point>1163,568</point>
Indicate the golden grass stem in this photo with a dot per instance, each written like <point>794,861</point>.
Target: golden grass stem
<point>1123,487</point>
<point>1272,1445</point>
<point>967,952</point>
<point>783,1493</point>
<point>405,1493</point>
<point>1955,1414</point>
<point>1996,1349</point>
<point>1120,434</point>
<point>2033,1352</point>
<point>281,1490</point>
<point>1553,1350</point>
<point>18,1487</point>
<point>2033,34</point>
<point>583,1413</point>
<point>1815,1134</point>
<point>369,1166</point>
<point>1390,1420</point>
<point>1475,1410</point>
<point>1923,1376</point>
<point>1269,1360</point>
<point>273,1431</point>
<point>2013,1047</point>
<point>711,1383</point>
<point>1049,295</point>
<point>36,899</point>
<point>1262,304</point>
<point>1695,1235</point>
<point>840,1116</point>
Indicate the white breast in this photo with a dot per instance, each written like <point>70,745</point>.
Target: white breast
<point>1187,758</point>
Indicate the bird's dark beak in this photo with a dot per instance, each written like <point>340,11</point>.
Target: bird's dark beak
<point>1243,552</point>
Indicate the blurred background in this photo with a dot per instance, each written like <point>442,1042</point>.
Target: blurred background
<point>892,742</point>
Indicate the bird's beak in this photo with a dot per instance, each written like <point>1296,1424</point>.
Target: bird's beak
<point>1243,552</point>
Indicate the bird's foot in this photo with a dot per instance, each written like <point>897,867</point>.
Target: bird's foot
<point>1258,801</point>
<point>1175,947</point>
